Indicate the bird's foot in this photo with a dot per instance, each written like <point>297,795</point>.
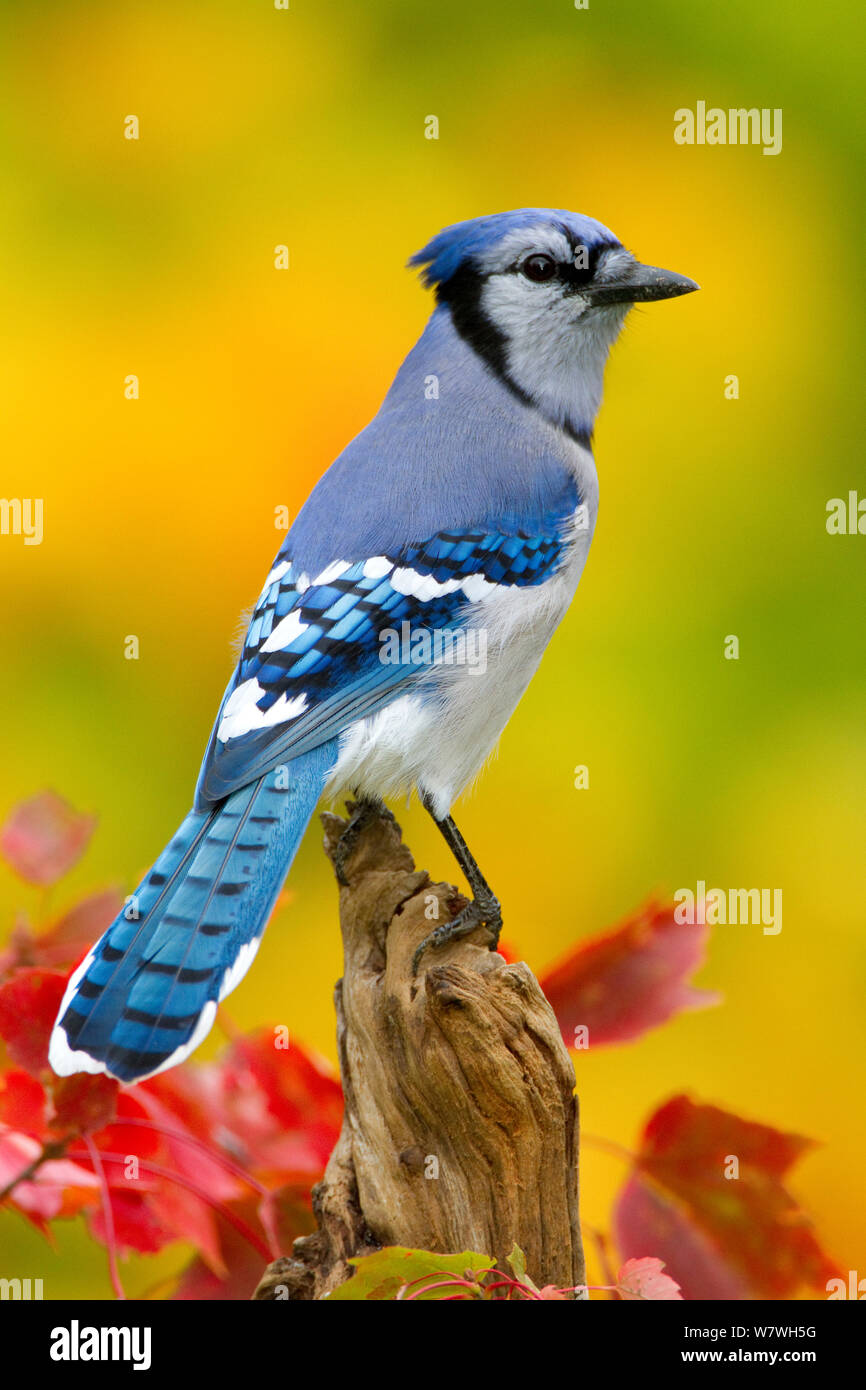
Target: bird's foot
<point>361,813</point>
<point>483,911</point>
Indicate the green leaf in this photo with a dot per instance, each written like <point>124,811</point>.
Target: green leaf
<point>382,1275</point>
<point>517,1260</point>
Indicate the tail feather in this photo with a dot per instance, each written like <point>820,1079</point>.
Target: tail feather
<point>147,994</point>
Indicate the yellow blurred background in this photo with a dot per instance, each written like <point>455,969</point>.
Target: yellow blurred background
<point>155,257</point>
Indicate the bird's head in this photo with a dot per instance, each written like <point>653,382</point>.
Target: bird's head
<point>541,295</point>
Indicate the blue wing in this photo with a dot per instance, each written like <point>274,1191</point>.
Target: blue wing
<point>312,661</point>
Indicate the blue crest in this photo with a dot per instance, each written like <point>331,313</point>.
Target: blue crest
<point>463,241</point>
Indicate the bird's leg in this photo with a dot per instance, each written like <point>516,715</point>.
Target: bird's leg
<point>484,909</point>
<point>361,813</point>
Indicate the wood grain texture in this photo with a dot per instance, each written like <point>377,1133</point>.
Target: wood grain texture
<point>461,1123</point>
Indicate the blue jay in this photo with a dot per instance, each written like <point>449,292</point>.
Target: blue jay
<point>465,508</point>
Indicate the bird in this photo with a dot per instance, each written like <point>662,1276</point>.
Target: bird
<point>464,511</point>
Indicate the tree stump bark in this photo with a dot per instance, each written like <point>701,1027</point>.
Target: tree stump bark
<point>461,1122</point>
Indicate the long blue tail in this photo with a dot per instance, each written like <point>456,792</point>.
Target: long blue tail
<point>147,994</point>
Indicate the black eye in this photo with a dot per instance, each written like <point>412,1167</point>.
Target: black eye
<point>539,267</point>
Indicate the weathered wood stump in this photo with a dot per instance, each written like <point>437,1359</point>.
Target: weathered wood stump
<point>461,1123</point>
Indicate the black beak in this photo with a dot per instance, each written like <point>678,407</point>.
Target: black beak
<point>639,284</point>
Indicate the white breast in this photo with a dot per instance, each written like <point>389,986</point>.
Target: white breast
<point>438,738</point>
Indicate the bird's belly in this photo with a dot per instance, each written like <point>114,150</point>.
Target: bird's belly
<point>437,738</point>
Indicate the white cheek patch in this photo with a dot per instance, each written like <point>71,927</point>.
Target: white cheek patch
<point>556,348</point>
<point>241,714</point>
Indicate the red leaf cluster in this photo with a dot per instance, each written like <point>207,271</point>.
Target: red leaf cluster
<point>44,837</point>
<point>643,1279</point>
<point>707,1196</point>
<point>29,1002</point>
<point>223,1155</point>
<point>627,980</point>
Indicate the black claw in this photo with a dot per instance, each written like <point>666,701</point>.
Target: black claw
<point>493,920</point>
<point>362,812</point>
<point>481,912</point>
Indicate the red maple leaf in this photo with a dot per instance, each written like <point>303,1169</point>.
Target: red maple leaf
<point>29,1002</point>
<point>282,1107</point>
<point>290,1216</point>
<point>68,940</point>
<point>629,979</point>
<point>643,1279</point>
<point>83,1102</point>
<point>23,1102</point>
<point>44,836</point>
<point>58,1188</point>
<point>706,1195</point>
